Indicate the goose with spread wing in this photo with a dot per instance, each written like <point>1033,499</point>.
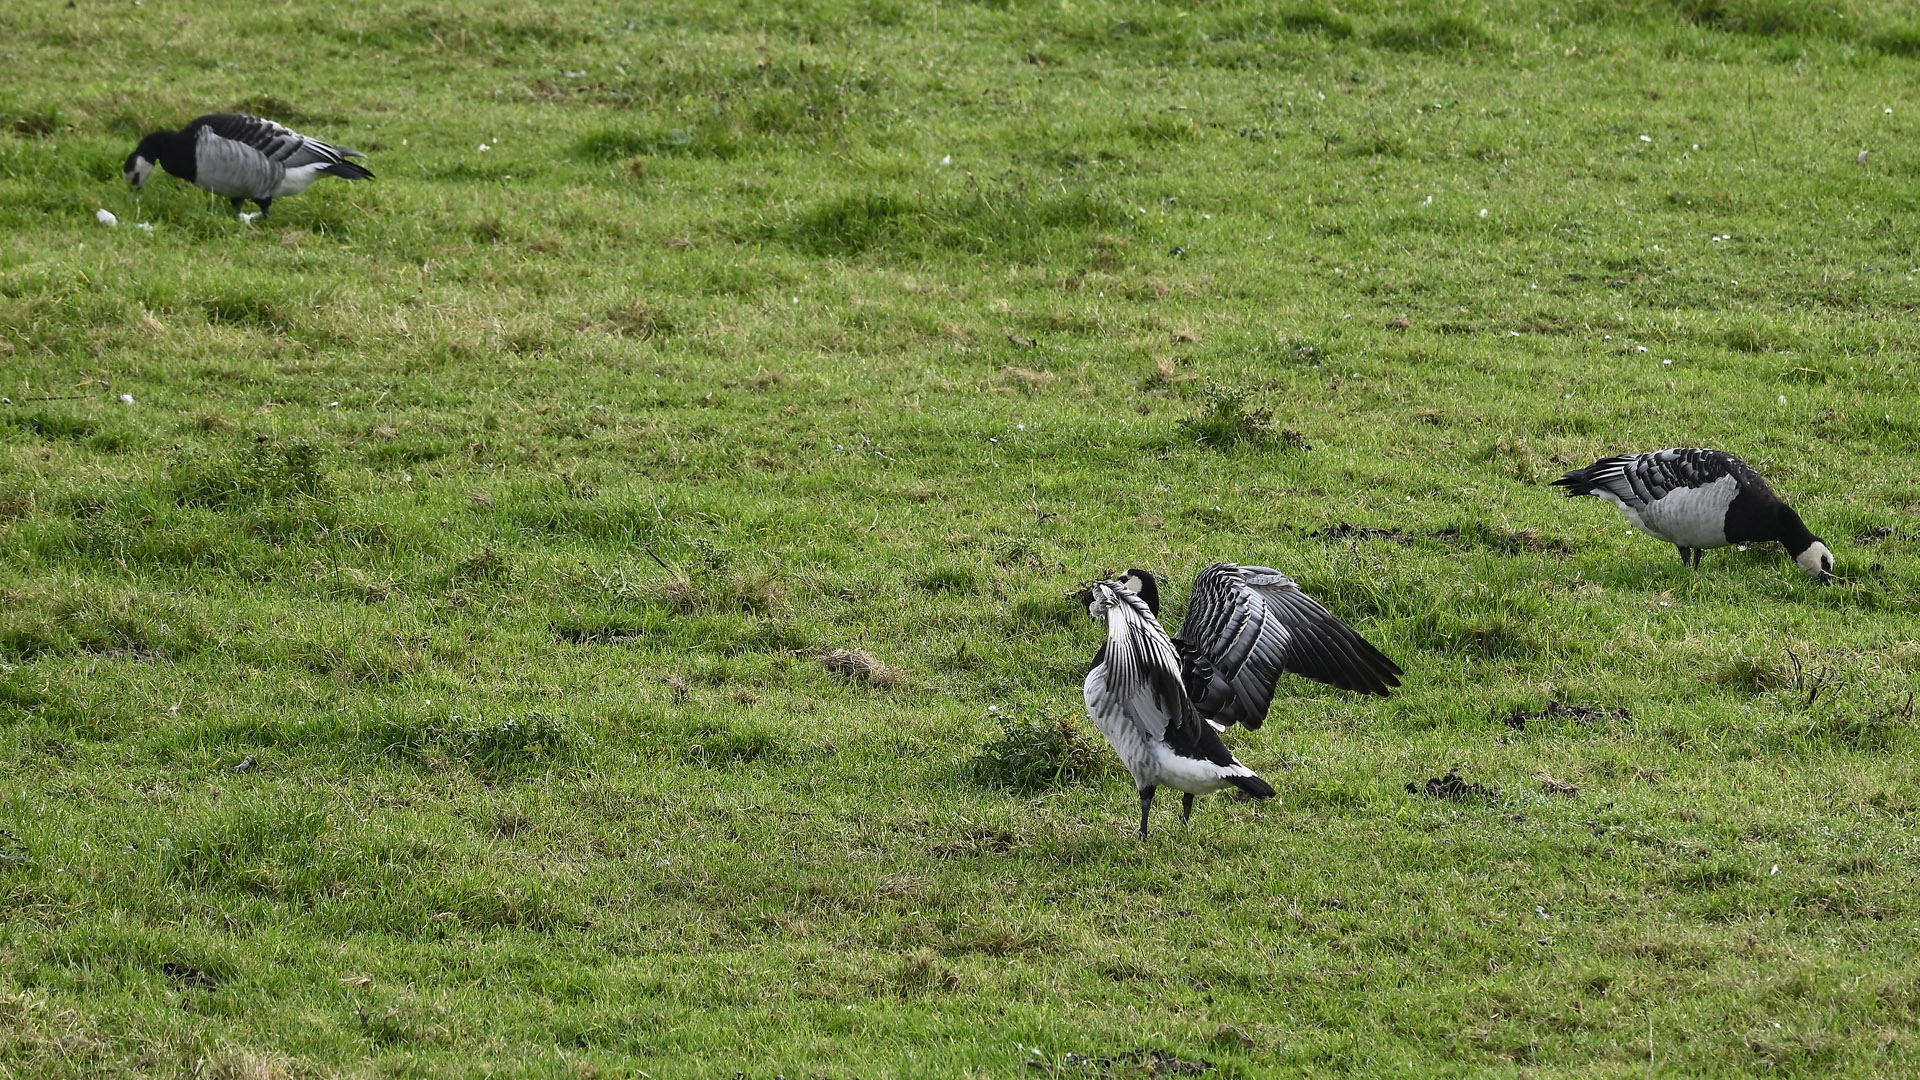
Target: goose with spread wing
<point>1162,701</point>
<point>242,157</point>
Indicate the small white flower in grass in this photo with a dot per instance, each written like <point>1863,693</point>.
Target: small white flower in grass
<point>1483,211</point>
<point>105,217</point>
<point>147,225</point>
<point>484,148</point>
<point>1666,363</point>
<point>1696,146</point>
<point>1776,869</point>
<point>126,399</point>
<point>1640,348</point>
<point>1567,395</point>
<point>993,708</point>
<point>1783,399</point>
<point>1646,138</point>
<point>333,404</point>
<point>247,219</point>
<point>1889,112</point>
<point>948,160</point>
<point>1020,427</point>
<point>1541,910</point>
<point>1739,547</point>
<point>1665,603</point>
<point>1513,333</point>
<point>1629,532</point>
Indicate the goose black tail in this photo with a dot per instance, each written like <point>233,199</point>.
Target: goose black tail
<point>347,170</point>
<point>1252,785</point>
<point>1577,483</point>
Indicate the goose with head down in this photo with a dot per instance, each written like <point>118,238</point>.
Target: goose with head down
<point>1695,499</point>
<point>242,157</point>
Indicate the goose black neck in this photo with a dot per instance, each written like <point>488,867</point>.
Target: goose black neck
<point>173,150</point>
<point>1792,532</point>
<point>1149,590</point>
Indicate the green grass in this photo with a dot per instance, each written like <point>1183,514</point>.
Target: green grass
<point>883,324</point>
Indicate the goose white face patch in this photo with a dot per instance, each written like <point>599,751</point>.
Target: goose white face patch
<point>139,172</point>
<point>1817,560</point>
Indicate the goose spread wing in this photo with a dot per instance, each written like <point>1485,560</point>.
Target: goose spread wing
<point>275,142</point>
<point>1135,685</point>
<point>1247,625</point>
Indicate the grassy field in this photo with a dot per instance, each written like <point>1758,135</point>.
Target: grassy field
<point>884,323</point>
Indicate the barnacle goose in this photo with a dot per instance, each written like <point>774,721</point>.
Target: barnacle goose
<point>242,157</point>
<point>1162,702</point>
<point>1696,499</point>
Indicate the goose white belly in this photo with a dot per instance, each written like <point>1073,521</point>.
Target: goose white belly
<point>299,179</point>
<point>1191,775</point>
<point>1689,517</point>
<point>1149,759</point>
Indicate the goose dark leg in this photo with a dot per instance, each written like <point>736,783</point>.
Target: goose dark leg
<point>264,203</point>
<point>1186,806</point>
<point>1146,804</point>
<point>1686,555</point>
<point>239,203</point>
<point>1697,552</point>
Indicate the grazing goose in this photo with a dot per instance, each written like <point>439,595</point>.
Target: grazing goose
<point>1697,499</point>
<point>1161,702</point>
<point>242,157</point>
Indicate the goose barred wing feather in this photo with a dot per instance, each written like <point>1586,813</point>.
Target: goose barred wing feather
<point>1640,480</point>
<point>1137,677</point>
<point>275,142</point>
<point>1247,625</point>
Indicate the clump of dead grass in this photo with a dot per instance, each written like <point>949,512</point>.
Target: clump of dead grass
<point>860,666</point>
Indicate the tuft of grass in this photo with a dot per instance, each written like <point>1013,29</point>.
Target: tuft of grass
<point>519,741</point>
<point>1317,19</point>
<point>1763,18</point>
<point>1030,754</point>
<point>1228,418</point>
<point>1435,34</point>
<point>860,666</point>
<point>263,473</point>
<point>39,122</point>
<point>1901,41</point>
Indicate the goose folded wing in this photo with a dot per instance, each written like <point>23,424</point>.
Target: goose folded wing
<point>276,142</point>
<point>1246,626</point>
<point>232,168</point>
